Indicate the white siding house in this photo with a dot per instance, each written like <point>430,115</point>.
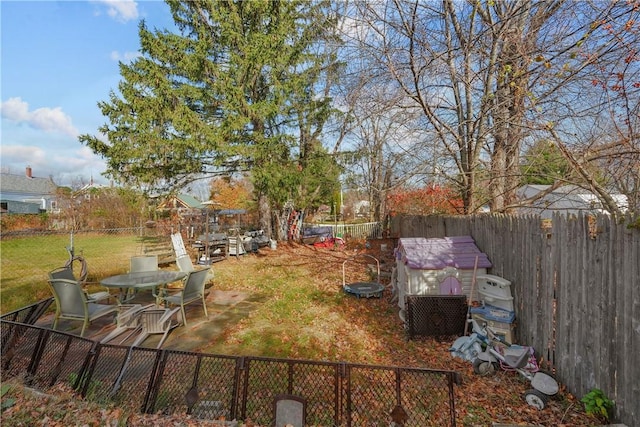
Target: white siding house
<point>568,199</point>
<point>26,193</point>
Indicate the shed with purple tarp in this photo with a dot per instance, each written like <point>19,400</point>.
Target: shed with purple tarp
<point>418,261</point>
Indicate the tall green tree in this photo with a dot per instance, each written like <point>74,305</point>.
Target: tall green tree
<point>225,95</point>
<point>544,164</point>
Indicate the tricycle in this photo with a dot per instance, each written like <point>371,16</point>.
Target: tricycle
<point>499,355</point>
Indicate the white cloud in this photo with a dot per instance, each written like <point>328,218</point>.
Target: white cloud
<point>15,109</point>
<point>120,10</point>
<point>65,164</point>
<point>23,154</point>
<point>47,119</point>
<point>125,57</point>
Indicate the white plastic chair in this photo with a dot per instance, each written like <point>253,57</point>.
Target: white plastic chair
<point>178,245</point>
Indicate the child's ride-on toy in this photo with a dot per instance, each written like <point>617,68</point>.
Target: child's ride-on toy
<point>515,358</point>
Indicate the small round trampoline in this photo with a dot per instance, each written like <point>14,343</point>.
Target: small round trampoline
<point>362,289</point>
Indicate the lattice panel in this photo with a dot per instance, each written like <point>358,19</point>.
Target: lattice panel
<point>435,315</point>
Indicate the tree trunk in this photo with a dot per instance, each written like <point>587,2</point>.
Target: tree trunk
<point>264,214</point>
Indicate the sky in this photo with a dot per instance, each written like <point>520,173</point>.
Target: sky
<point>58,60</point>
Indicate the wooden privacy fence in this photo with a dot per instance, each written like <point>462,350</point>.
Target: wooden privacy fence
<point>576,286</point>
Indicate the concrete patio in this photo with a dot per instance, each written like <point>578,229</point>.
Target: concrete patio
<point>225,309</point>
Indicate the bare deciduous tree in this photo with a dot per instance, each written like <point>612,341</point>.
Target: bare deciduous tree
<point>488,77</point>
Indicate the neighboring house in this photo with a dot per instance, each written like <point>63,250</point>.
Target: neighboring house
<point>567,199</point>
<point>26,193</point>
<point>181,202</point>
<point>193,214</point>
<point>362,209</point>
<point>89,191</point>
<point>188,208</point>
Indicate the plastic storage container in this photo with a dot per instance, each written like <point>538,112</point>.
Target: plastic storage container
<point>494,314</point>
<point>504,331</point>
<point>495,291</point>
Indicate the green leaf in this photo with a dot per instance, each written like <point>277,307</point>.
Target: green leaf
<point>7,403</point>
<point>5,389</point>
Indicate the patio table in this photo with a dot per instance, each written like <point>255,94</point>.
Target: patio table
<point>141,280</point>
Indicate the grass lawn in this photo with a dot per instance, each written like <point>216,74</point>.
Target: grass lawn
<point>27,261</point>
<point>299,310</point>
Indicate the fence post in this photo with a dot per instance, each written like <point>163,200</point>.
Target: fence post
<point>155,379</point>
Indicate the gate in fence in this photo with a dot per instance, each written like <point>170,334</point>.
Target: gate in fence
<point>223,387</point>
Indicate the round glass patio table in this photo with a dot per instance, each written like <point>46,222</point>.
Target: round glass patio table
<point>141,280</point>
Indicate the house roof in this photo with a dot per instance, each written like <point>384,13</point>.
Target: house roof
<point>181,201</point>
<point>24,185</point>
<point>567,198</point>
<point>91,186</point>
<point>530,190</point>
<point>190,201</point>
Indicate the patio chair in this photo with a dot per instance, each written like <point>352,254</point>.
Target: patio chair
<point>155,321</point>
<point>183,260</point>
<point>139,263</point>
<point>185,264</point>
<point>72,303</point>
<point>178,245</point>
<point>66,273</point>
<point>143,263</point>
<point>192,291</point>
<point>127,319</point>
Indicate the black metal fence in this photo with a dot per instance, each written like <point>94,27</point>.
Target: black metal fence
<point>214,386</point>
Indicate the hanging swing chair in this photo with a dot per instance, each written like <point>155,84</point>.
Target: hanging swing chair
<point>363,289</point>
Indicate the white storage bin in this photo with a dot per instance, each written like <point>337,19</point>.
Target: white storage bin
<point>495,291</point>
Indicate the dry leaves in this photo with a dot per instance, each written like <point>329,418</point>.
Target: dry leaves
<point>480,401</point>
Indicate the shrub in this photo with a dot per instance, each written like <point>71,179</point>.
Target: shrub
<point>596,403</point>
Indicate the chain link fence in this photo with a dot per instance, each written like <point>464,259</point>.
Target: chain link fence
<point>216,387</point>
<point>28,257</point>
